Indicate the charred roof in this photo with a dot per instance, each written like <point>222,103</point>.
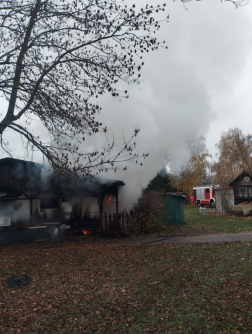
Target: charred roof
<point>19,176</point>
<point>16,174</point>
<point>73,186</point>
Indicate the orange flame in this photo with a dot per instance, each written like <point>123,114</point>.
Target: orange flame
<point>86,232</point>
<point>109,200</point>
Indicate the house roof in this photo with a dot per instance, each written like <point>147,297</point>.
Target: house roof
<point>15,161</point>
<point>73,186</point>
<point>242,174</point>
<point>170,194</point>
<point>17,176</point>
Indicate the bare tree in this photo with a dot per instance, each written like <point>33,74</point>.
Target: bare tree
<point>57,54</point>
<point>237,3</point>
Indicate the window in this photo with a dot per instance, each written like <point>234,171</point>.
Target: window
<point>207,191</point>
<point>242,191</point>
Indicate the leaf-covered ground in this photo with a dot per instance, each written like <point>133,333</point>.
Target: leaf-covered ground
<point>89,286</point>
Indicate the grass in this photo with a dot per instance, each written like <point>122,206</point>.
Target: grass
<point>211,222</point>
<point>94,287</point>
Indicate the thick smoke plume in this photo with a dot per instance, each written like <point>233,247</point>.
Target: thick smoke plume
<point>182,90</point>
<point>181,87</point>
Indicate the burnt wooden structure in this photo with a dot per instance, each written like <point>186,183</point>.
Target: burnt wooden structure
<point>242,186</point>
<point>23,182</point>
<point>19,179</point>
<point>120,224</point>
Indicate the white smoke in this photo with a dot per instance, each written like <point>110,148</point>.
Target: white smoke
<point>208,46</point>
<point>166,126</point>
<point>181,85</point>
<point>18,210</point>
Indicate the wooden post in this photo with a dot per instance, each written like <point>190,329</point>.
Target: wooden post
<point>109,224</point>
<point>106,229</point>
<point>127,221</point>
<point>100,201</point>
<point>117,208</point>
<point>122,221</point>
<point>119,222</point>
<point>117,204</point>
<point>31,198</point>
<point>101,225</point>
<point>31,205</point>
<point>114,222</point>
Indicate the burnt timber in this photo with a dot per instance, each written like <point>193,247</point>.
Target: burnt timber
<point>23,182</point>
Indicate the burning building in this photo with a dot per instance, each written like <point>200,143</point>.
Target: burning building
<point>31,201</point>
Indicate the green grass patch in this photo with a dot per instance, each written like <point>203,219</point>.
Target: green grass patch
<point>210,223</point>
<point>95,288</point>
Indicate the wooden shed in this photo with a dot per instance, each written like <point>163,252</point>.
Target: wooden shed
<point>174,208</point>
<point>242,186</point>
<point>29,200</point>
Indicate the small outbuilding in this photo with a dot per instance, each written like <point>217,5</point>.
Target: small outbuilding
<point>224,200</point>
<point>174,208</point>
<point>242,187</point>
<point>240,192</point>
<point>36,206</point>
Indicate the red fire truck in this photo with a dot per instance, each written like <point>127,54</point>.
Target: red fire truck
<point>204,195</point>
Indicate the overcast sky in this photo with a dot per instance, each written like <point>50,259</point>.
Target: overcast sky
<point>201,85</point>
<point>217,42</point>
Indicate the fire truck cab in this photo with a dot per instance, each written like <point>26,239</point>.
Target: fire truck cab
<point>204,195</point>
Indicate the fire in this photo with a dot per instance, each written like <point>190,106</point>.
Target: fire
<point>109,200</point>
<point>86,232</point>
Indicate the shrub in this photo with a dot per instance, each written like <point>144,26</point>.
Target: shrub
<point>148,214</point>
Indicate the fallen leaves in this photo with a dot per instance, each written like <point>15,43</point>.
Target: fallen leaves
<point>93,288</point>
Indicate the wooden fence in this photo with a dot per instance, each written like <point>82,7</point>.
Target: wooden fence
<point>121,224</point>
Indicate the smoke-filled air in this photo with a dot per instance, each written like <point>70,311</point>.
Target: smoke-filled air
<point>177,97</point>
<point>181,91</point>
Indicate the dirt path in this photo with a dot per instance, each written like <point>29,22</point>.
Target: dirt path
<point>225,237</point>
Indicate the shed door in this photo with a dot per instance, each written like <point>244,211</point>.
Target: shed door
<point>174,210</point>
